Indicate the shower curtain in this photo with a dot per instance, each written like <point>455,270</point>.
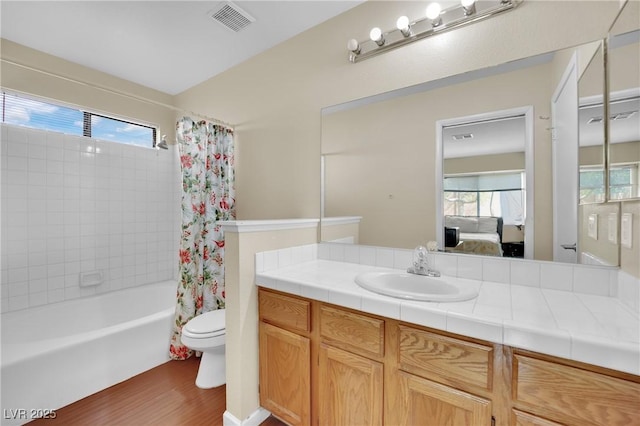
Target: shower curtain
<point>206,158</point>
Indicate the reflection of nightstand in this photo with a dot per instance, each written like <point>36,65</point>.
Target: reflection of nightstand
<point>515,249</point>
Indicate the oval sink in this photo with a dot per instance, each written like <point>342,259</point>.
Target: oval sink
<point>414,287</point>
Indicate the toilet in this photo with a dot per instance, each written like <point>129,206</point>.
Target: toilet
<point>206,333</point>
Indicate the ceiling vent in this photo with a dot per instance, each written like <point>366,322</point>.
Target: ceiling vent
<point>231,16</point>
<point>462,136</point>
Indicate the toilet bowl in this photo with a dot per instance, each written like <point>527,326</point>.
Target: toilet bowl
<point>206,333</point>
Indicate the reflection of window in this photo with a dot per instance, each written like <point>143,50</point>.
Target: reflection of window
<point>591,185</point>
<point>487,194</point>
<point>624,181</point>
<point>46,116</point>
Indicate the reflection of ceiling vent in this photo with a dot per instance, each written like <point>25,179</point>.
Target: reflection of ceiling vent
<point>462,136</point>
<point>231,16</point>
<point>623,115</point>
<point>617,116</point>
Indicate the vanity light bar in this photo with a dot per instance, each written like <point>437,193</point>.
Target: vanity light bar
<point>436,21</point>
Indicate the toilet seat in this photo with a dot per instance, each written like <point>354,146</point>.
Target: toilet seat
<point>204,326</point>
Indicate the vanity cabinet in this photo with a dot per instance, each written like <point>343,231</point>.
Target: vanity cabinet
<point>572,393</point>
<point>285,357</point>
<point>350,368</point>
<point>322,364</point>
<point>443,378</point>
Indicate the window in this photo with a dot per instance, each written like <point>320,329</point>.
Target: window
<point>624,181</point>
<point>591,185</point>
<point>36,114</point>
<point>489,194</point>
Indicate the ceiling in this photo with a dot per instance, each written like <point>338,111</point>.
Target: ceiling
<point>169,46</point>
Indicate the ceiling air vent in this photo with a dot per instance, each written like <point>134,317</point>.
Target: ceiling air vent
<point>231,16</point>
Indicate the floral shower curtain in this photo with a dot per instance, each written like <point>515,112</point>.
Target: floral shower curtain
<point>206,158</point>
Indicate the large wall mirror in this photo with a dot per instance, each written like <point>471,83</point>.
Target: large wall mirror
<point>408,164</point>
<point>624,104</point>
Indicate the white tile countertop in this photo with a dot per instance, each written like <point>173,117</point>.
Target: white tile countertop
<point>595,329</point>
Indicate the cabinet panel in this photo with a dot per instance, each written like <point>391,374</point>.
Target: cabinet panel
<point>574,395</point>
<point>520,418</point>
<point>350,389</point>
<point>284,310</point>
<point>285,371</point>
<point>352,331</point>
<point>428,354</point>
<point>431,403</point>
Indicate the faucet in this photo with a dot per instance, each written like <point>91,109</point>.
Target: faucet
<point>421,263</point>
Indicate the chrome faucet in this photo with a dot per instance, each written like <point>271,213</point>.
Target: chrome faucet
<point>421,263</point>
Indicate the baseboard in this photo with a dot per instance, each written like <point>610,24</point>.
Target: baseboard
<point>257,417</point>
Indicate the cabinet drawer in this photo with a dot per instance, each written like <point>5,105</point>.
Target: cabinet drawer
<point>285,310</point>
<point>352,331</point>
<point>573,395</point>
<point>428,355</point>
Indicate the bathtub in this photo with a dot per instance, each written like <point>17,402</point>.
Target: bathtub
<point>56,354</point>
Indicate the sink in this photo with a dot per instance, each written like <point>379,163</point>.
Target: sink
<point>414,287</point>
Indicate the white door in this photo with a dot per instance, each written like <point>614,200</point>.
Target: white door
<point>564,116</point>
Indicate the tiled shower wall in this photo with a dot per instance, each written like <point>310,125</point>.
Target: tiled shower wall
<point>74,205</point>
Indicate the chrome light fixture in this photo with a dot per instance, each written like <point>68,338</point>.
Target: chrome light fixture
<point>435,21</point>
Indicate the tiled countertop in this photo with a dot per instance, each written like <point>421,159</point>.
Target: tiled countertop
<point>595,329</point>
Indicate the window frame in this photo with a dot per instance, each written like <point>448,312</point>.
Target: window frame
<point>87,114</point>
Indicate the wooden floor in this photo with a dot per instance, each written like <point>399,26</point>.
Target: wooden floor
<point>166,395</point>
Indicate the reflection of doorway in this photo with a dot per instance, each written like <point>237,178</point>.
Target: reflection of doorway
<point>564,116</point>
<point>476,152</point>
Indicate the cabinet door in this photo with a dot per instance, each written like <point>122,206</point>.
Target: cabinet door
<point>430,403</point>
<point>350,389</point>
<point>285,372</point>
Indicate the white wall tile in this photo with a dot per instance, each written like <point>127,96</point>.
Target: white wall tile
<point>525,273</point>
<point>59,188</point>
<point>591,280</point>
<point>556,276</point>
<point>470,267</point>
<point>496,270</point>
<point>384,257</point>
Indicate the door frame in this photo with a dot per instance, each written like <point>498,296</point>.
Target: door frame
<point>527,111</point>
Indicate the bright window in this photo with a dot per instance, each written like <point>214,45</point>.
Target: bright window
<point>489,194</point>
<point>36,114</point>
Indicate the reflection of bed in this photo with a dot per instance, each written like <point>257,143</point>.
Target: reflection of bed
<point>478,235</point>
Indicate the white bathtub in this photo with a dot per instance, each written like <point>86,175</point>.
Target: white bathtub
<point>56,354</point>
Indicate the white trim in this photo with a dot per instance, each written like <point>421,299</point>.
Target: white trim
<point>254,419</point>
<point>527,111</point>
<point>240,226</point>
<point>341,220</point>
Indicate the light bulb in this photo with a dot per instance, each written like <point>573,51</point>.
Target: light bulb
<point>433,11</point>
<point>469,7</point>
<point>403,25</point>
<point>353,46</point>
<point>376,35</point>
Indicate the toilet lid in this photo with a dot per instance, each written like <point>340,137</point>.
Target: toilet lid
<point>207,323</point>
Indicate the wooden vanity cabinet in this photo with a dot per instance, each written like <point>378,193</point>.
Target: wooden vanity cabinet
<point>285,357</point>
<point>322,364</point>
<point>572,393</point>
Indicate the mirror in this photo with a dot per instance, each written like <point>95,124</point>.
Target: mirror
<point>380,154</point>
<point>624,104</point>
<point>591,130</point>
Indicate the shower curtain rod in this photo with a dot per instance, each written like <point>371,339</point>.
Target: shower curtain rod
<point>119,93</point>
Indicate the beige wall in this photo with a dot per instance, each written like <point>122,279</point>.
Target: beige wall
<point>485,163</point>
<point>275,98</point>
<point>600,247</point>
<point>83,87</point>
<point>630,257</point>
<point>242,310</point>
